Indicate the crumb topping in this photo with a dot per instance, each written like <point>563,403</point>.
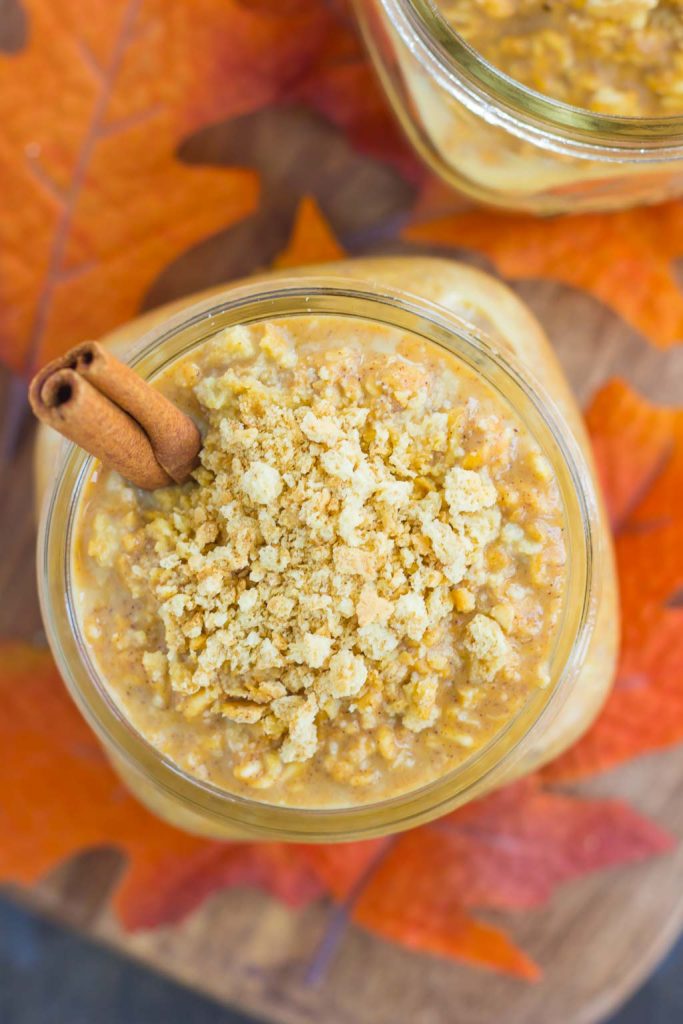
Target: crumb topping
<point>370,556</point>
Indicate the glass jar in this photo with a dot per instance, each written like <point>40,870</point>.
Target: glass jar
<point>583,658</point>
<point>502,143</point>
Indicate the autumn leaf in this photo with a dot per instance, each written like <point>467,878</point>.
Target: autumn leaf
<point>312,239</point>
<point>332,75</point>
<point>341,867</point>
<point>59,796</point>
<point>442,928</point>
<point>93,111</point>
<point>639,450</point>
<point>624,259</point>
<point>259,52</point>
<point>513,848</point>
<point>165,882</point>
<point>508,851</point>
<point>90,121</point>
<point>344,87</point>
<point>378,890</point>
<point>296,153</point>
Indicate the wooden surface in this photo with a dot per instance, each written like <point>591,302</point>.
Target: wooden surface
<point>599,937</point>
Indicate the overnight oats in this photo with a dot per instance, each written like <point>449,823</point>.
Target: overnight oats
<point>622,57</point>
<point>542,106</point>
<point>372,579</point>
<point>359,586</point>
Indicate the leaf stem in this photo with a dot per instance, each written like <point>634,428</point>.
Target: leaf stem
<point>339,920</point>
<point>55,267</point>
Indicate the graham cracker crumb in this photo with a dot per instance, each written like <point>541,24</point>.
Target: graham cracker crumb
<point>340,575</point>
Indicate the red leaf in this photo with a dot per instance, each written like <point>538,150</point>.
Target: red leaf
<point>165,884</point>
<point>292,51</point>
<point>342,866</point>
<point>509,851</point>
<point>443,929</point>
<point>513,848</point>
<point>390,892</point>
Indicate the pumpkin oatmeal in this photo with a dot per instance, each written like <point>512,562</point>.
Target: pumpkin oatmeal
<point>361,584</point>
<point>622,57</point>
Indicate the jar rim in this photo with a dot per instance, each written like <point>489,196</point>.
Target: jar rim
<point>322,295</point>
<point>502,100</point>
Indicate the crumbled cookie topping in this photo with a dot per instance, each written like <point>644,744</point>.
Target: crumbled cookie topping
<point>349,579</point>
<point>621,57</point>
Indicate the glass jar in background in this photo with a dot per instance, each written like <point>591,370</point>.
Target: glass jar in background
<point>500,142</point>
<point>481,323</point>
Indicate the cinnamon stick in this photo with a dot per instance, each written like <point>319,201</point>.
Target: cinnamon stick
<point>101,404</point>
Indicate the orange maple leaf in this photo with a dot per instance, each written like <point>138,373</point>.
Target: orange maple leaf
<point>96,203</point>
<point>639,450</point>
<point>92,113</point>
<point>624,259</point>
<point>59,795</point>
<point>312,239</point>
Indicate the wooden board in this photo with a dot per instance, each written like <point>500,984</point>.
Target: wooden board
<point>598,938</point>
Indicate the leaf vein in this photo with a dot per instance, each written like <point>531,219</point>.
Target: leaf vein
<point>64,224</point>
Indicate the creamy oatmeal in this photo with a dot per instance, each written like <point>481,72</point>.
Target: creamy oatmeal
<point>621,57</point>
<point>359,588</point>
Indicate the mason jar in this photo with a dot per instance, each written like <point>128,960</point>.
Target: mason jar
<point>502,143</point>
<point>479,322</point>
